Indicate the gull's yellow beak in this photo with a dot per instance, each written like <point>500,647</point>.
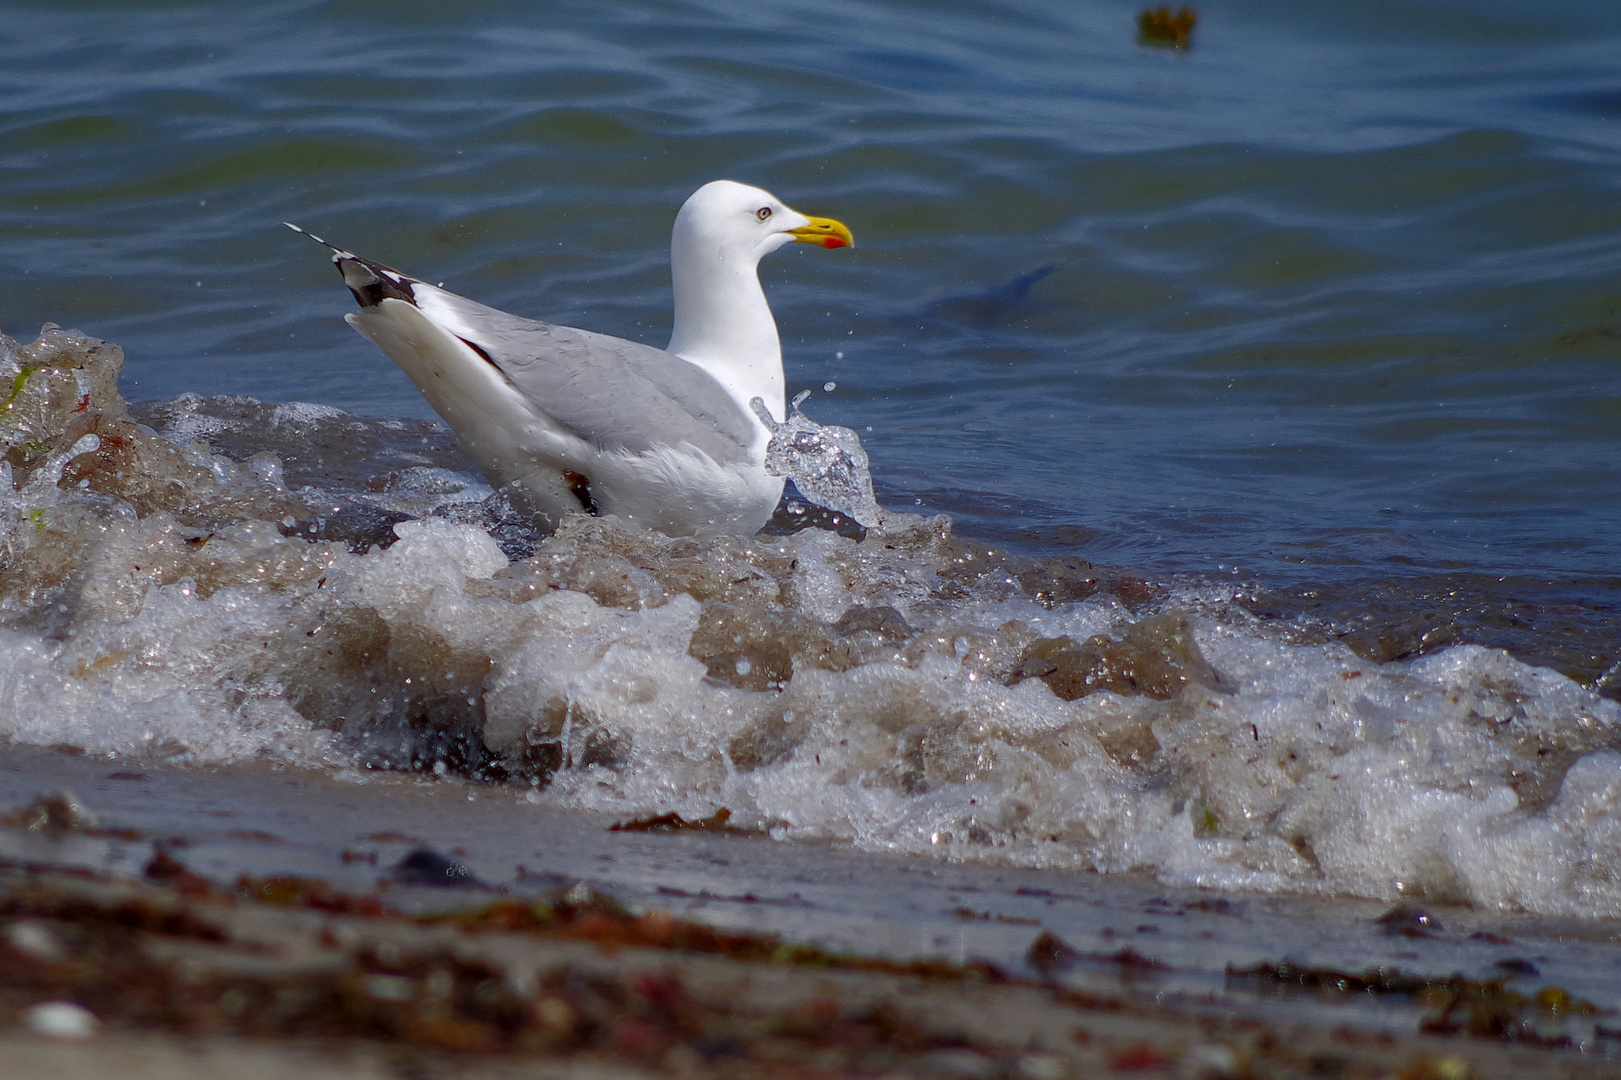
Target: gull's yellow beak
<point>825,232</point>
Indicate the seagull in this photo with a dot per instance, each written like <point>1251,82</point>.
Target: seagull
<point>568,420</point>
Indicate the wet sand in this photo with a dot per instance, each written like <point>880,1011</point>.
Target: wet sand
<point>597,1008</point>
<point>200,904</point>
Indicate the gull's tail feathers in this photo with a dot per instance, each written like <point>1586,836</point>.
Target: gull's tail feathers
<point>370,282</point>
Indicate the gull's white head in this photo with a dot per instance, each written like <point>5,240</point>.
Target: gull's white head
<point>732,221</point>
<point>722,321</point>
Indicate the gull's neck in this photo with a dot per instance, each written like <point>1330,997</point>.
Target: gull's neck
<point>722,321</point>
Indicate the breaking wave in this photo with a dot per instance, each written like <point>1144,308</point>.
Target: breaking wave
<point>210,581</point>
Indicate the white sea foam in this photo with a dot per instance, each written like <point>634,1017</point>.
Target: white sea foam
<point>908,692</point>
<point>302,413</point>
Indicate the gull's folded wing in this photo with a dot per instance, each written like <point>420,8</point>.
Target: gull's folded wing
<point>616,394</point>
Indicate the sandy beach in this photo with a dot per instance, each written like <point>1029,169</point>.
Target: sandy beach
<point>204,940</point>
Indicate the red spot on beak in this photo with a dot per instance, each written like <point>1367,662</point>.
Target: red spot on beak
<point>833,242</point>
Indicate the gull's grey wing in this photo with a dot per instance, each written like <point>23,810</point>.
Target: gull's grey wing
<point>614,393</point>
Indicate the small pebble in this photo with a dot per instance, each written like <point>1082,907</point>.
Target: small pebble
<point>1037,1066</point>
<point>1049,954</point>
<point>61,812</point>
<point>36,940</point>
<point>1409,920</point>
<point>425,866</point>
<point>1215,1058</point>
<point>962,1063</point>
<point>389,988</point>
<point>61,1020</point>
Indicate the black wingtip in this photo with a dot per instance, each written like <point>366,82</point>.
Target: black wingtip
<point>338,253</point>
<point>371,282</point>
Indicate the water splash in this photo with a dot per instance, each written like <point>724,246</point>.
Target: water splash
<point>825,462</point>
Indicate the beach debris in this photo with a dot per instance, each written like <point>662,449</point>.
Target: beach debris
<point>392,980</point>
<point>36,940</point>
<point>1036,1065</point>
<point>716,822</point>
<point>427,867</point>
<point>1215,1059</point>
<point>167,870</point>
<point>1410,920</point>
<point>1050,953</point>
<point>388,987</point>
<point>987,916</point>
<point>1140,1057</point>
<point>1161,28</point>
<point>967,1064</point>
<point>61,1020</point>
<point>1433,1067</point>
<point>1131,960</point>
<point>58,813</point>
<point>254,836</point>
<point>1460,1005</point>
<point>409,988</point>
<point>311,893</point>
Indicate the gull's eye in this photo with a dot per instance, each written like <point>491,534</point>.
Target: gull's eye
<point>763,213</point>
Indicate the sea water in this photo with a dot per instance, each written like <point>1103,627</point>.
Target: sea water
<point>1255,404</point>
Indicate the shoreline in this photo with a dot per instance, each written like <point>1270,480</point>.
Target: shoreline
<point>460,999</point>
<point>667,966</point>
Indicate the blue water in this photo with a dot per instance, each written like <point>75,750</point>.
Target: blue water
<point>1335,293</point>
